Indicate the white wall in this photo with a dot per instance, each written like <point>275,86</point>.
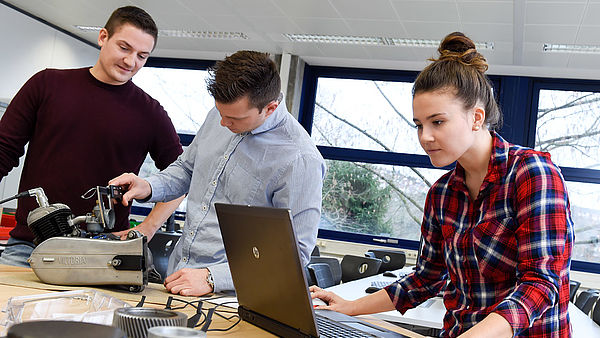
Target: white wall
<point>26,47</point>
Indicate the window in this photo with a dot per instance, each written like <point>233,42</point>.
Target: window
<point>374,199</point>
<point>378,175</point>
<point>3,107</point>
<point>180,87</point>
<point>365,114</point>
<point>361,120</point>
<point>182,92</point>
<point>568,127</point>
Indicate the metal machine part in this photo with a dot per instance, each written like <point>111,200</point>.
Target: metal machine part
<point>39,194</point>
<point>63,329</point>
<point>102,218</point>
<point>136,321</point>
<point>68,255</point>
<point>174,332</point>
<point>86,261</point>
<point>49,221</point>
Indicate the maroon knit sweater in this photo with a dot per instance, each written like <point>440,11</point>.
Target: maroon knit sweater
<point>81,133</point>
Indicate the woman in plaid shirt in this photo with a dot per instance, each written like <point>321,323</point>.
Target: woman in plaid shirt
<point>497,229</point>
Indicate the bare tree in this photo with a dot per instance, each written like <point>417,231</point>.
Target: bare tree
<point>582,141</point>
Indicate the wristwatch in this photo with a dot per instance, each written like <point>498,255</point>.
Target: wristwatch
<point>210,281</point>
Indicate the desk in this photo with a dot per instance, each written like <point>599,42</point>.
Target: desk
<point>18,281</point>
<point>431,313</point>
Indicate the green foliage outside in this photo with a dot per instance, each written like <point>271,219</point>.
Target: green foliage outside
<point>354,199</point>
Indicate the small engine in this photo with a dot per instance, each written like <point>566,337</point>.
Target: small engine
<point>66,254</point>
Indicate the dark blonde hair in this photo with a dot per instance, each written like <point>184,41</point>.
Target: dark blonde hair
<point>460,68</point>
<point>245,73</point>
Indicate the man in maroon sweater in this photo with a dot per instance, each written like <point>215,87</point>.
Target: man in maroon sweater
<point>85,126</point>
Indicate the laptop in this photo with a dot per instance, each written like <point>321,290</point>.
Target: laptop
<point>269,278</point>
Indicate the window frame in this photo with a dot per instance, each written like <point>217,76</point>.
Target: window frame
<point>185,139</point>
<point>569,173</point>
<point>517,96</point>
<point>305,117</point>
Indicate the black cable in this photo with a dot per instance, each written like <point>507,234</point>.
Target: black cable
<point>169,301</point>
<point>186,303</point>
<point>141,302</point>
<point>226,311</point>
<point>192,321</point>
<point>230,327</point>
<point>209,298</point>
<point>218,309</point>
<point>208,320</point>
<point>19,195</point>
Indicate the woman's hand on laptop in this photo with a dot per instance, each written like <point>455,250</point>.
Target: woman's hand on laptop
<point>333,301</point>
<point>372,303</point>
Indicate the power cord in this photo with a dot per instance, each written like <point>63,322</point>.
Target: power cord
<point>219,309</point>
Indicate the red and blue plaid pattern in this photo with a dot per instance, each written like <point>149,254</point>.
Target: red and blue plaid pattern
<point>508,251</point>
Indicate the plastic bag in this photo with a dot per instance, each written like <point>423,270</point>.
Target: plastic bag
<point>88,306</point>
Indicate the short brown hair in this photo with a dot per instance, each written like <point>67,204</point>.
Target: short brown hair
<point>245,73</point>
<point>461,69</point>
<point>134,16</point>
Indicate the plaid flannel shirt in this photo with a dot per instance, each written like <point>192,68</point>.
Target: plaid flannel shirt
<point>508,251</point>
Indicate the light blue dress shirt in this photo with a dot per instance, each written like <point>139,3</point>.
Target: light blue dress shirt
<point>274,165</point>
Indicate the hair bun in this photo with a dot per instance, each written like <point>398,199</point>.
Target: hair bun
<point>457,47</point>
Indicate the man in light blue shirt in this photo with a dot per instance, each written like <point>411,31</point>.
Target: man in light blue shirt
<point>249,151</point>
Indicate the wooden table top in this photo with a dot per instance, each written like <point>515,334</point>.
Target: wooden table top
<point>19,281</point>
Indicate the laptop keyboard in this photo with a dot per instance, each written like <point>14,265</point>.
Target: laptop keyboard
<point>329,328</point>
<point>381,283</point>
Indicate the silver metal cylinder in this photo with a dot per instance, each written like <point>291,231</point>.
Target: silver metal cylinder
<point>174,332</point>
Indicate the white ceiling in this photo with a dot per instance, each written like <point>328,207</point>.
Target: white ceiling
<point>518,29</point>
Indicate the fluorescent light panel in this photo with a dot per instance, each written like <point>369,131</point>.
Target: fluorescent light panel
<point>564,48</point>
<point>88,28</point>
<point>203,34</point>
<point>185,34</point>
<point>374,41</point>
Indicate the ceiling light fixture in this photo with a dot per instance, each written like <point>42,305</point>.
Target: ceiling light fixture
<point>203,35</point>
<point>374,41</point>
<point>88,28</point>
<point>564,48</point>
<point>178,33</point>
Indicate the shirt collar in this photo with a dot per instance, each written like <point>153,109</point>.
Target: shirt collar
<point>274,119</point>
<point>497,165</point>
